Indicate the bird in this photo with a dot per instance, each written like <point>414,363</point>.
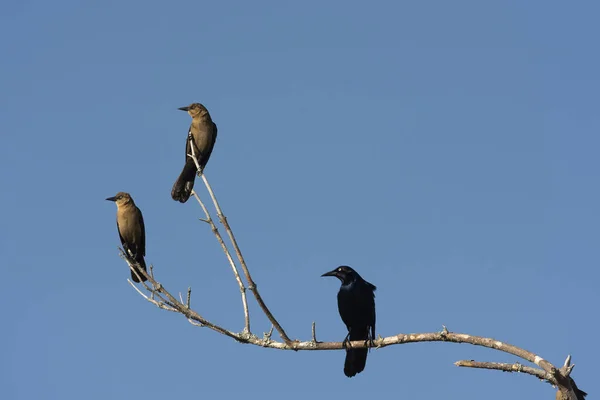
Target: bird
<point>130,225</point>
<point>356,304</point>
<point>202,135</point>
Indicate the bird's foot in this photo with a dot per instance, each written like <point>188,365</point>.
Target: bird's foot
<point>346,341</point>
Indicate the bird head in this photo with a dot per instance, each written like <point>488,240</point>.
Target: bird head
<point>194,110</point>
<point>344,274</point>
<point>121,199</point>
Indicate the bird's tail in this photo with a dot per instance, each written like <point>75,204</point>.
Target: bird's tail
<point>182,189</point>
<point>356,359</point>
<point>142,263</point>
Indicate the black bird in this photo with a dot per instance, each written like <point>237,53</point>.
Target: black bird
<point>130,224</point>
<point>203,135</point>
<point>356,304</point>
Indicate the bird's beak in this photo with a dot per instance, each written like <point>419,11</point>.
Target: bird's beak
<point>331,273</point>
<point>184,108</point>
<point>112,199</point>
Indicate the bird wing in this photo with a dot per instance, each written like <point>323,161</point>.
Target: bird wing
<point>121,237</point>
<point>213,139</point>
<point>373,314</point>
<point>367,304</point>
<point>142,244</point>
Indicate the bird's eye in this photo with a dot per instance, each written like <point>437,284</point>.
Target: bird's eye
<point>339,269</point>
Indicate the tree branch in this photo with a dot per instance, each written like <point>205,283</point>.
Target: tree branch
<point>549,373</point>
<point>217,234</point>
<point>159,296</point>
<point>176,305</point>
<point>238,252</point>
<point>516,367</point>
<point>251,284</point>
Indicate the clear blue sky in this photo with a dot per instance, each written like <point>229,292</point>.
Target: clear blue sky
<point>446,150</point>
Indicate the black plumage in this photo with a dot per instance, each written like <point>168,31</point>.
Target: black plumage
<point>356,304</point>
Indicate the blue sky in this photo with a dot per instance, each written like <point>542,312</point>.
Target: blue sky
<point>448,151</point>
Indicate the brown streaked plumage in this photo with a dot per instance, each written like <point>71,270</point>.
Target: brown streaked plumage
<point>203,132</point>
<point>130,224</point>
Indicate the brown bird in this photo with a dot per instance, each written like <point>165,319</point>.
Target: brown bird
<point>203,135</point>
<point>130,224</point>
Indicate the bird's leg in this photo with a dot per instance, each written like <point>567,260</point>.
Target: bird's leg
<point>346,340</point>
<point>370,340</point>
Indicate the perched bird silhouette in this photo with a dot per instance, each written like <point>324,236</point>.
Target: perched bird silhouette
<point>130,224</point>
<point>202,135</point>
<point>356,304</point>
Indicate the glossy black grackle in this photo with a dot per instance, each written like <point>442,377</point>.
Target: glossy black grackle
<point>356,304</point>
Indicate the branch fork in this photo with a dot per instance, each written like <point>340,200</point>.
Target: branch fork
<point>160,297</point>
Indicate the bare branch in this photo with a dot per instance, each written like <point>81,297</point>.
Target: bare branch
<point>567,390</point>
<point>516,367</point>
<point>236,274</point>
<point>567,361</point>
<point>238,252</point>
<point>162,302</point>
<point>157,303</point>
<point>222,243</point>
<point>560,377</point>
<point>183,309</point>
<point>267,335</point>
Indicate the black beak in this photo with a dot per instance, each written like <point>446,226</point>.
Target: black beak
<point>184,108</point>
<point>112,199</point>
<point>331,273</point>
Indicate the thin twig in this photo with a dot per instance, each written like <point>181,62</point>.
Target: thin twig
<point>152,275</point>
<point>182,309</point>
<point>251,284</point>
<point>267,335</point>
<point>217,234</point>
<point>151,290</point>
<point>157,303</point>
<point>236,274</point>
<point>516,367</point>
